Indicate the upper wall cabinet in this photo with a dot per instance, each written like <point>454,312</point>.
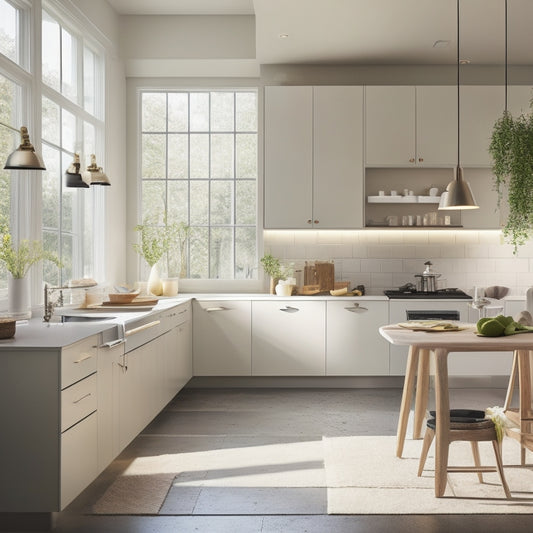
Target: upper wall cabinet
<point>480,106</point>
<point>408,126</point>
<point>313,157</point>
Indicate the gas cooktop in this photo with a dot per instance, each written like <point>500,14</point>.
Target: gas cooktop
<point>441,294</point>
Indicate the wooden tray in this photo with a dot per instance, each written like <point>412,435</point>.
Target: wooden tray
<point>137,301</point>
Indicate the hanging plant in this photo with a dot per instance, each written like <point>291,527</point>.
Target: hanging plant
<point>511,149</point>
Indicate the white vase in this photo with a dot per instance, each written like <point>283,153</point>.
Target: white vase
<point>155,286</point>
<point>18,297</point>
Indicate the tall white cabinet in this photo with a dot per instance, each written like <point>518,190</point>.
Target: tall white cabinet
<point>313,157</point>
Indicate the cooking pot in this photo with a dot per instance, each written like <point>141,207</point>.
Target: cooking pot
<point>427,281</point>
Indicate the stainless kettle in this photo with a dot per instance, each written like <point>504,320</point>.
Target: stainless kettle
<point>427,281</point>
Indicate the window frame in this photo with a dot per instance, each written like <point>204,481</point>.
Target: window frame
<point>191,284</point>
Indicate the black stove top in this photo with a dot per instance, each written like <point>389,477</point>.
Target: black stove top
<point>441,294</point>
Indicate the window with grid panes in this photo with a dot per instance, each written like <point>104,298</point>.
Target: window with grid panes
<point>199,168</point>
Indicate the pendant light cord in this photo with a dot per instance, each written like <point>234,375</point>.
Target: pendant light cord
<point>506,60</point>
<point>458,96</point>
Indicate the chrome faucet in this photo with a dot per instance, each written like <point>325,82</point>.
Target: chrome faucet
<point>50,305</point>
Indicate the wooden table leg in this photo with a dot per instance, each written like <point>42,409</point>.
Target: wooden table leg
<point>422,391</point>
<point>442,433</point>
<point>408,387</point>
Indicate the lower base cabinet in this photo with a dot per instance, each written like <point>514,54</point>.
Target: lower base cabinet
<point>354,346</point>
<point>288,338</point>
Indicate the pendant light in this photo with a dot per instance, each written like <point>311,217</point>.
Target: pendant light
<point>73,177</point>
<point>458,194</point>
<point>24,157</point>
<point>94,175</point>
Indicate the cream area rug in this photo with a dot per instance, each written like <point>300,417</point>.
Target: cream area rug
<point>364,476</point>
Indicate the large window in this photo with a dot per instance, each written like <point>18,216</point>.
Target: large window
<point>199,168</point>
<point>71,112</point>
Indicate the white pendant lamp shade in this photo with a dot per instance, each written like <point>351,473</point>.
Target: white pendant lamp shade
<point>24,157</point>
<point>94,175</point>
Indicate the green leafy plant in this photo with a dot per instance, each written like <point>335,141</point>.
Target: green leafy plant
<point>511,148</point>
<point>156,241</point>
<point>274,268</point>
<point>19,260</point>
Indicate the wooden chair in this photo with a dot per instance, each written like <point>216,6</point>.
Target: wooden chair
<point>473,428</point>
<point>522,415</point>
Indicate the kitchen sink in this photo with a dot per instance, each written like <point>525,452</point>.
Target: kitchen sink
<point>86,318</point>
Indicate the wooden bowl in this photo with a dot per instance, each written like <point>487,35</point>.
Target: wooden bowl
<point>7,328</point>
<point>122,297</point>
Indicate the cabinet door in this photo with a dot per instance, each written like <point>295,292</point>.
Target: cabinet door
<point>338,192</point>
<point>354,346</point>
<point>480,106</point>
<point>288,338</point>
<point>288,157</point>
<point>183,366</point>
<point>222,338</point>
<point>390,125</point>
<point>436,126</point>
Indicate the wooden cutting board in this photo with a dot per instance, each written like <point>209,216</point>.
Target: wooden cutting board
<point>137,301</point>
<point>325,273</point>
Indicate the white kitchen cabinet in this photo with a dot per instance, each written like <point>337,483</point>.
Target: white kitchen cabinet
<point>408,126</point>
<point>354,346</point>
<point>480,106</point>
<point>222,338</point>
<point>288,338</point>
<point>313,157</point>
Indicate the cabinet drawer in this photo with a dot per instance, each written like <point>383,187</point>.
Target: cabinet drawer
<point>78,401</point>
<point>78,361</point>
<point>79,458</point>
<point>174,317</point>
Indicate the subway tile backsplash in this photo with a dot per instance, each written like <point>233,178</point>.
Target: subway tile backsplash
<point>382,259</point>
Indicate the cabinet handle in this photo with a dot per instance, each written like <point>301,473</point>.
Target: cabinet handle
<point>421,159</point>
<point>142,328</point>
<point>356,308</point>
<point>289,309</point>
<point>412,160</point>
<point>316,221</point>
<point>83,357</point>
<point>309,221</point>
<point>82,398</point>
<point>112,344</point>
<point>211,309</point>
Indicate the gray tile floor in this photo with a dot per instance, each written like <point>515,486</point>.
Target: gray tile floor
<point>205,419</point>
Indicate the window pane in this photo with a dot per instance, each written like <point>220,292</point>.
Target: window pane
<point>199,162</point>
<point>8,139</point>
<point>222,156</point>
<point>246,156</point>
<point>51,49</point>
<point>89,80</point>
<point>69,64</point>
<point>154,112</point>
<point>199,111</point>
<point>178,112</point>
<point>199,202</point>
<point>51,123</point>
<point>51,273</point>
<point>199,253</point>
<point>67,198</point>
<point>68,136</point>
<point>67,252</point>
<point>9,34</point>
<point>246,112</point>
<point>89,142</point>
<point>245,200</point>
<point>153,201</point>
<point>245,253</point>
<point>153,155</point>
<point>178,204</point>
<point>51,196</point>
<point>178,156</point>
<point>222,111</point>
<point>221,252</point>
<point>221,202</point>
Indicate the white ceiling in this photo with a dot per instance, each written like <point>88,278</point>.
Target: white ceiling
<point>369,32</point>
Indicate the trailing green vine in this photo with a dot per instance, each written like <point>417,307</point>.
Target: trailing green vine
<point>511,149</point>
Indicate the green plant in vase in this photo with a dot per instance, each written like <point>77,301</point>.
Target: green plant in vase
<point>274,268</point>
<point>511,148</point>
